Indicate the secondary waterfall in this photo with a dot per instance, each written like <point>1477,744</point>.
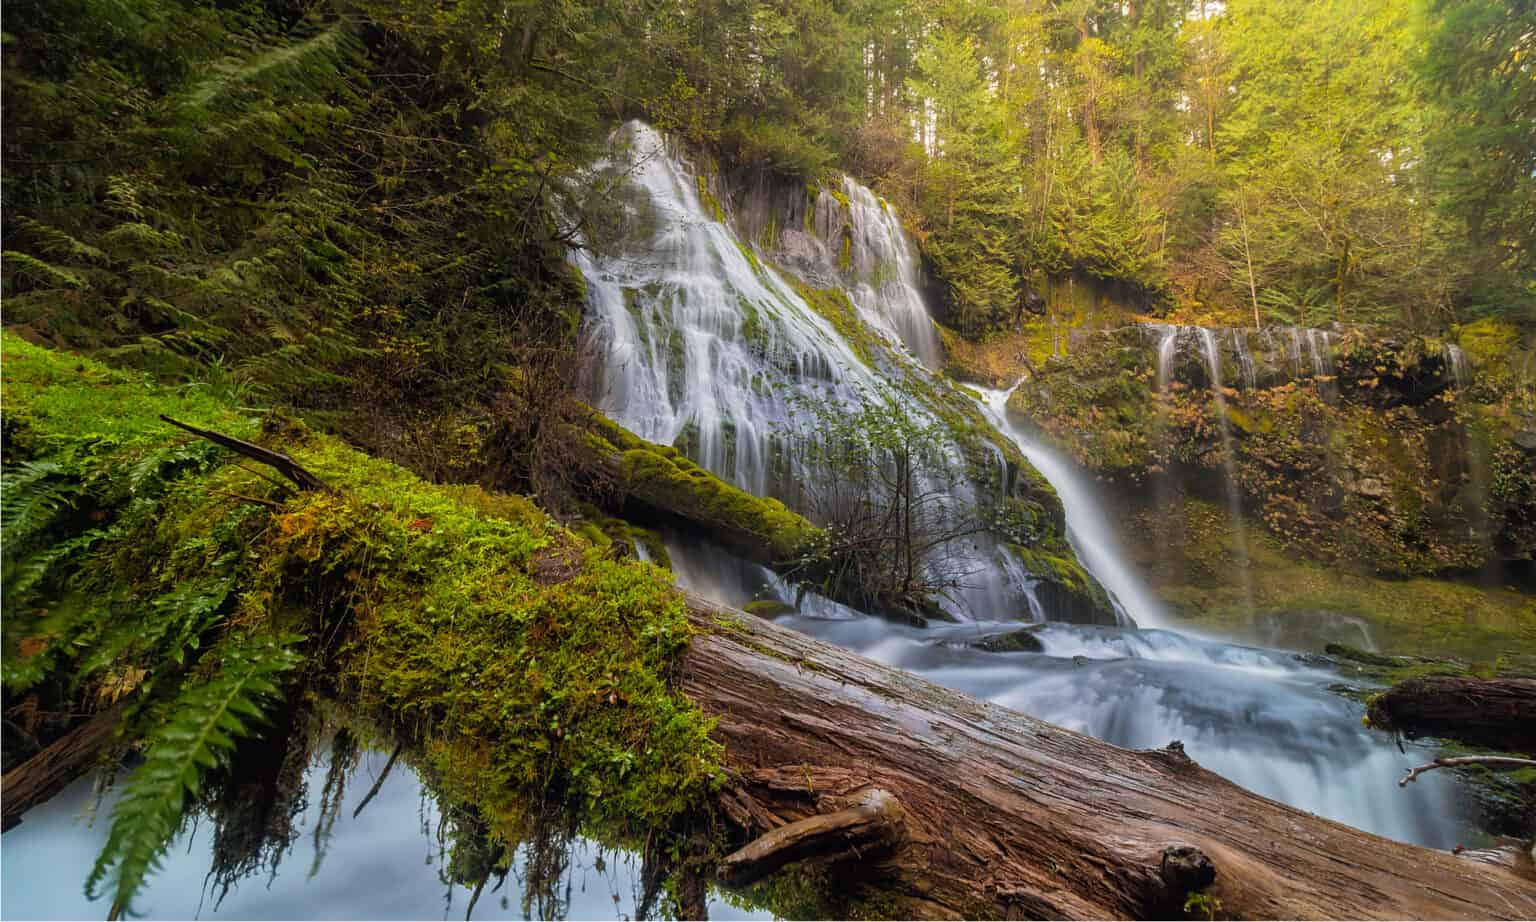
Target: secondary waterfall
<point>700,345</point>
<point>882,269</point>
<point>1088,529</point>
<point>1228,462</point>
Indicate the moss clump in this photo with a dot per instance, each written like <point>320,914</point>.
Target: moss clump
<point>677,483</point>
<point>768,608</point>
<point>529,663</point>
<point>709,201</point>
<point>833,305</point>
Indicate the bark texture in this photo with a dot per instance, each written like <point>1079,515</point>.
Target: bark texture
<point>1497,713</point>
<point>1005,816</point>
<point>52,769</point>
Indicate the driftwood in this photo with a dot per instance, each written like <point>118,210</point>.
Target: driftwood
<point>58,764</point>
<point>872,826</point>
<point>1497,713</point>
<point>1005,816</point>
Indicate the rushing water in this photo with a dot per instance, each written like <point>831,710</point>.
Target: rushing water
<point>1262,718</point>
<point>388,862</point>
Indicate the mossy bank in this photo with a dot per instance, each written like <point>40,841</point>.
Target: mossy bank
<point>148,567</point>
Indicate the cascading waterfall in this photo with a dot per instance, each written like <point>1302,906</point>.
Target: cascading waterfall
<point>1320,345</point>
<point>884,270</point>
<point>1228,464</point>
<point>686,326</point>
<point>1245,365</point>
<point>704,347</point>
<point>1088,529</point>
<point>1162,481</point>
<point>1461,371</point>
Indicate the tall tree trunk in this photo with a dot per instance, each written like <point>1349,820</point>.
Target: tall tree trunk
<point>1253,289</point>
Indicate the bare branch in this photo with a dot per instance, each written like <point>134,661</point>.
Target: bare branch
<point>1464,760</point>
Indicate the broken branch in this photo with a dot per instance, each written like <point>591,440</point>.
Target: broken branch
<point>1463,760</point>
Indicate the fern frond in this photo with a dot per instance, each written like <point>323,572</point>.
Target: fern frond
<point>206,720</point>
<point>174,623</point>
<point>310,63</point>
<point>57,244</point>
<point>35,493</point>
<point>31,572</point>
<point>140,238</point>
<point>41,273</point>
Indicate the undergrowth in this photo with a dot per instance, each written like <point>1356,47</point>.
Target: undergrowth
<point>148,569</point>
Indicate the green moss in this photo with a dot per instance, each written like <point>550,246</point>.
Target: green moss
<point>845,251</point>
<point>833,305</point>
<point>1191,565</point>
<point>528,662</point>
<point>748,254</point>
<point>709,201</point>
<point>768,608</point>
<point>685,486</point>
<point>1488,342</point>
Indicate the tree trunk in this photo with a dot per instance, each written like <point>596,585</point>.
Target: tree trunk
<point>1497,713</point>
<point>997,815</point>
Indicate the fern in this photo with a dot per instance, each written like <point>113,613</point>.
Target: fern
<point>303,66</point>
<point>31,572</point>
<point>173,623</point>
<point>35,495</point>
<point>206,720</point>
<point>57,244</point>
<point>43,274</point>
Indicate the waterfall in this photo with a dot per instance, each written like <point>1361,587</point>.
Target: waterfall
<point>1461,371</point>
<point>1245,363</point>
<point>1320,347</point>
<point>884,269</point>
<point>699,344</point>
<point>1228,463</point>
<point>1088,529</point>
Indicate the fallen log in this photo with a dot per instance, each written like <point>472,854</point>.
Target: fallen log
<point>1005,816</point>
<point>53,768</point>
<point>1497,713</point>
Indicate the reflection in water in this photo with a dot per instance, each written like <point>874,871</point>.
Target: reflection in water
<point>399,858</point>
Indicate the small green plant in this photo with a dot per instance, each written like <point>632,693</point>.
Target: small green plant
<point>1202,905</point>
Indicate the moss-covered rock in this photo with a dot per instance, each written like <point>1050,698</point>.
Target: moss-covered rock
<point>1382,461</point>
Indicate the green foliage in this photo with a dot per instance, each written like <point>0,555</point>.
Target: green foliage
<point>205,720</point>
<point>529,664</point>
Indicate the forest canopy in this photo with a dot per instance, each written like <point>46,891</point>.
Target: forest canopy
<point>316,199</point>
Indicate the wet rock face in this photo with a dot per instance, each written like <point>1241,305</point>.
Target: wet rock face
<point>1398,454</point>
